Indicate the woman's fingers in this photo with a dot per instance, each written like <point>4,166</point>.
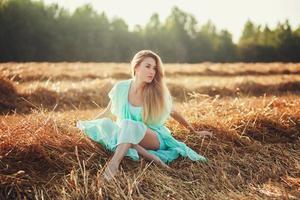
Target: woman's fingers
<point>204,133</point>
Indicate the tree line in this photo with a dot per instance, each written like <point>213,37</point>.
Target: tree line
<point>34,31</point>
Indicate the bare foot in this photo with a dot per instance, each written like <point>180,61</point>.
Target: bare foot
<point>161,163</point>
<point>165,165</point>
<point>110,171</point>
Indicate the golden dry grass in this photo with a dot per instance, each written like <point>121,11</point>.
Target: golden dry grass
<point>252,109</point>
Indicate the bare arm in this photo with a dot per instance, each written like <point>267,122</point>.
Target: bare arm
<point>105,113</point>
<point>181,120</point>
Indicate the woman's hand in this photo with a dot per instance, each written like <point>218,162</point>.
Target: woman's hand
<point>203,133</point>
<point>200,133</point>
<point>178,117</point>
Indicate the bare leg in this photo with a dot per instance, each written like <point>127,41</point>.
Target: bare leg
<point>143,152</point>
<point>113,165</point>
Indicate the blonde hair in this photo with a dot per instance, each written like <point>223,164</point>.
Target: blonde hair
<point>156,93</point>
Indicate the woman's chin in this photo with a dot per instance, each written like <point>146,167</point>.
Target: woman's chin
<point>149,80</point>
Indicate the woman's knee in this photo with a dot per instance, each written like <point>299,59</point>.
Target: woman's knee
<point>150,140</point>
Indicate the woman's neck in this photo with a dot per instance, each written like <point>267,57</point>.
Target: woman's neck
<point>137,86</point>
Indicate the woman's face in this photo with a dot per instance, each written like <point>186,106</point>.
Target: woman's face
<point>146,70</point>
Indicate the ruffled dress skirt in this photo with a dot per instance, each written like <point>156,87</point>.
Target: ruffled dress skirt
<point>110,134</point>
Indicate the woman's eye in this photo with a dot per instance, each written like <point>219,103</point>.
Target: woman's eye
<point>148,66</point>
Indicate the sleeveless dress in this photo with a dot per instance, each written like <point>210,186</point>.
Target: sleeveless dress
<point>129,128</point>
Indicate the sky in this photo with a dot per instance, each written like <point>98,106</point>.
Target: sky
<point>225,14</point>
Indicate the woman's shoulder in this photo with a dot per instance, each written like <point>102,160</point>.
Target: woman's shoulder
<point>123,83</point>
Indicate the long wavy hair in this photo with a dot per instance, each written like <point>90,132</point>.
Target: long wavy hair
<point>155,94</point>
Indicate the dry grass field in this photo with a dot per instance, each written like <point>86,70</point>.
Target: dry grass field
<point>252,109</point>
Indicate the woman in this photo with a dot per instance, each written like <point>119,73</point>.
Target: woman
<point>141,104</point>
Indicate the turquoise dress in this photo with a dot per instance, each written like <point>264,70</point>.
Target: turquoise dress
<point>129,128</point>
